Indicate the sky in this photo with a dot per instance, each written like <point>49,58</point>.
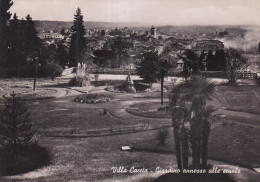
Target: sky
<point>158,12</point>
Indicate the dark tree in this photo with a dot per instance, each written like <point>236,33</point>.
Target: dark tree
<point>192,63</point>
<point>78,41</point>
<point>31,42</point>
<point>103,57</point>
<point>120,50</point>
<point>235,63</point>
<point>147,67</point>
<point>14,42</point>
<point>5,16</point>
<point>16,127</point>
<point>221,62</point>
<point>62,32</point>
<point>211,62</point>
<point>163,67</point>
<point>61,56</point>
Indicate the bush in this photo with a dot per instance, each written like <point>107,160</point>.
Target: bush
<point>53,69</point>
<point>162,136</point>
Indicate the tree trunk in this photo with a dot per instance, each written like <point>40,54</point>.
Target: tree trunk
<point>195,142</point>
<point>162,79</point>
<point>178,148</point>
<point>185,148</point>
<point>204,145</point>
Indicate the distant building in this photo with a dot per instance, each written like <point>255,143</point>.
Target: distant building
<point>51,35</point>
<point>153,31</point>
<point>206,45</point>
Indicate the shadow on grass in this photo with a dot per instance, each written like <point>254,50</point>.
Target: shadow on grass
<point>28,159</point>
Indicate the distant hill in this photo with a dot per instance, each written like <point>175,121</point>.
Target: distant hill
<point>58,25</point>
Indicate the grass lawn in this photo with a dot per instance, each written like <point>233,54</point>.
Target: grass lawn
<point>242,98</point>
<point>84,143</point>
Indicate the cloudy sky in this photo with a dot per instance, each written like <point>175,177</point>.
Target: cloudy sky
<point>158,12</point>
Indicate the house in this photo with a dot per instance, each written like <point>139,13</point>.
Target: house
<point>51,35</point>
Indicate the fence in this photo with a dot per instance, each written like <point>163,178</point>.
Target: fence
<point>248,75</point>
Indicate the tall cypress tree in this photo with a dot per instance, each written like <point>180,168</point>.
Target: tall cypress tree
<point>31,41</point>
<point>14,42</point>
<point>220,60</point>
<point>5,16</point>
<point>210,61</point>
<point>78,41</point>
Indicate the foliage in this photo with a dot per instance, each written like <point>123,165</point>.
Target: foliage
<point>53,69</point>
<point>23,44</point>
<point>147,67</point>
<point>102,57</point>
<point>235,63</point>
<point>190,117</point>
<point>61,56</point>
<point>220,60</point>
<point>162,136</point>
<point>5,15</point>
<point>163,67</point>
<point>193,63</point>
<point>120,51</point>
<point>216,62</point>
<point>78,41</point>
<point>210,61</point>
<point>15,127</point>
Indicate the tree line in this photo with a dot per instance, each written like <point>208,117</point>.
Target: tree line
<point>22,50</point>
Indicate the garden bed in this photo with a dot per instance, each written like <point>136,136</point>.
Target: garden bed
<point>92,98</point>
<point>150,109</point>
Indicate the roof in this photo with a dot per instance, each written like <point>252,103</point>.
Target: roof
<point>49,34</point>
<point>210,41</point>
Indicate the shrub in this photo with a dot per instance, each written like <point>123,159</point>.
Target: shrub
<point>53,69</point>
<point>162,136</point>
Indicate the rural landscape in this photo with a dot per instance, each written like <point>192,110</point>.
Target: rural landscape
<point>92,99</point>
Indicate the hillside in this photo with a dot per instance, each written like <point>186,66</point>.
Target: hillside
<point>57,25</point>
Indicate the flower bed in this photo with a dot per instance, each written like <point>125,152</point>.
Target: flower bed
<point>93,98</point>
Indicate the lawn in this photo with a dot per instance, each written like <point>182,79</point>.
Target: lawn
<point>241,98</point>
<point>85,142</point>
